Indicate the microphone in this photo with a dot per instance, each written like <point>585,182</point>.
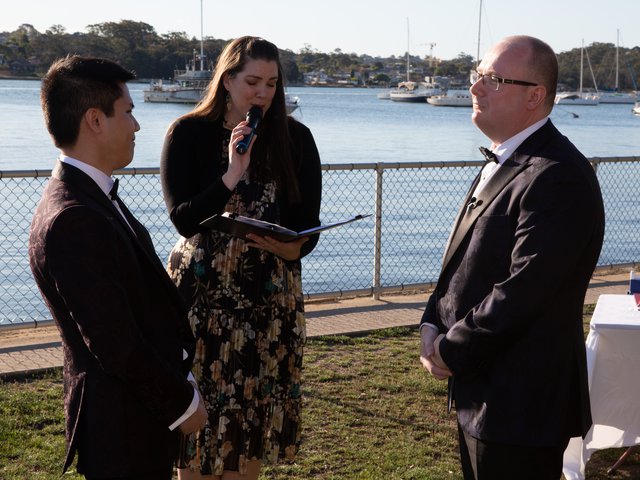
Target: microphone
<point>254,115</point>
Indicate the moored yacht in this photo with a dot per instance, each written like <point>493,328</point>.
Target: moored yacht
<point>579,98</point>
<point>619,97</point>
<point>452,98</point>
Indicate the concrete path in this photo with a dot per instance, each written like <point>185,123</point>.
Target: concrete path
<point>27,350</point>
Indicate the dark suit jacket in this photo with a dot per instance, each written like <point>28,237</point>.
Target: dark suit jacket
<point>123,329</point>
<point>511,293</point>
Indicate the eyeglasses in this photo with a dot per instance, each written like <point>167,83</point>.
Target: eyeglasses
<point>493,81</point>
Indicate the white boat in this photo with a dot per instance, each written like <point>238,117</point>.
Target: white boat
<point>292,102</point>
<point>619,97</point>
<point>636,108</point>
<point>190,84</point>
<point>410,91</point>
<point>616,96</point>
<point>579,98</point>
<point>414,91</point>
<point>452,98</point>
<point>189,88</point>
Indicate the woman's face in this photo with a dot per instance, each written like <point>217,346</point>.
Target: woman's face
<point>254,85</point>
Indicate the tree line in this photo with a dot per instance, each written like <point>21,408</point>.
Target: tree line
<point>138,47</point>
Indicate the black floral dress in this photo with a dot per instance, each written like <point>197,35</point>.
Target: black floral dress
<point>246,311</point>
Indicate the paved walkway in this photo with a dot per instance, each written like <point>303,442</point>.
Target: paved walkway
<point>25,350</point>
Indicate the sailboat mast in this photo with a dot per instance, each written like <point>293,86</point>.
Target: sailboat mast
<point>479,26</point>
<point>581,65</point>
<point>617,56</point>
<point>408,43</point>
<point>201,37</point>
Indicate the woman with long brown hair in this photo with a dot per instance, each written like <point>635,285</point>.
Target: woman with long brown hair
<point>244,296</point>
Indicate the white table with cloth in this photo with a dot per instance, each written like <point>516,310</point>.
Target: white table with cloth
<point>613,363</point>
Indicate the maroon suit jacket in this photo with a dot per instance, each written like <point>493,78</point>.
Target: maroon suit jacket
<point>511,293</point>
<point>123,329</point>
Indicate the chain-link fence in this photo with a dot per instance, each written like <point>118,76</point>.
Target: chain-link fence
<point>400,245</point>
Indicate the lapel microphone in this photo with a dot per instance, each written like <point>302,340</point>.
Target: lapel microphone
<point>489,156</point>
<point>474,203</point>
<point>254,115</point>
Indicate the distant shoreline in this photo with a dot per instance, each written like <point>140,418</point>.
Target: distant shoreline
<point>14,77</point>
<point>146,80</point>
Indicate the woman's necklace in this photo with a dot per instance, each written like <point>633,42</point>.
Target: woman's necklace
<point>229,125</point>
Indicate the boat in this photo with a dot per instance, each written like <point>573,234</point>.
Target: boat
<point>636,108</point>
<point>189,85</point>
<point>579,98</point>
<point>414,91</point>
<point>616,96</point>
<point>410,91</point>
<point>628,98</point>
<point>452,98</point>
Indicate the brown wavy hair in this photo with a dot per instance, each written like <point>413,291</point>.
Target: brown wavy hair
<point>271,153</point>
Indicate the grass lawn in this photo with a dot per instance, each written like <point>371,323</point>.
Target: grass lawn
<point>370,413</point>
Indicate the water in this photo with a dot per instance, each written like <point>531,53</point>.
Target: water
<point>349,125</point>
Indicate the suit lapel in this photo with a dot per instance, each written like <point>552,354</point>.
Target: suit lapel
<point>461,211</point>
<point>519,161</point>
<point>79,180</point>
<point>140,233</point>
<point>139,237</point>
<point>469,212</point>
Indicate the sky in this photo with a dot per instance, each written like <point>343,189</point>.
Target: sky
<point>444,28</point>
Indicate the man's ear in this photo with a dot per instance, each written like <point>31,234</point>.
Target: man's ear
<point>93,118</point>
<point>537,96</point>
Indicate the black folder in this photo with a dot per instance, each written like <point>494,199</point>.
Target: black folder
<point>240,226</point>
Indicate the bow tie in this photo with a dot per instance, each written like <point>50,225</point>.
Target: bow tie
<point>113,193</point>
<point>488,155</point>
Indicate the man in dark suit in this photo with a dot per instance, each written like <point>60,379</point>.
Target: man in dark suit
<point>504,323</point>
<point>127,342</point>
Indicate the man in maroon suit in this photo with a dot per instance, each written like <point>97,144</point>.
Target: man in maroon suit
<point>127,342</point>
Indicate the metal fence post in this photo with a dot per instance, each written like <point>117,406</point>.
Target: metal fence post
<point>377,245</point>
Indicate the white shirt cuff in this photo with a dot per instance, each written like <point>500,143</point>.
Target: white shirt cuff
<point>194,403</point>
<point>190,411</point>
<point>430,325</point>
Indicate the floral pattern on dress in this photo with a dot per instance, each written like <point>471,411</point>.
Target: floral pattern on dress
<point>246,311</point>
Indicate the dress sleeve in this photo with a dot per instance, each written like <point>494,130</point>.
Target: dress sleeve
<point>306,214</point>
<point>191,178</point>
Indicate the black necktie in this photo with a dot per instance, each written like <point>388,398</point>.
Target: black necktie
<point>488,155</point>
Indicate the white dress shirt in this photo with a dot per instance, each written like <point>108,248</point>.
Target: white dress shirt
<point>503,151</point>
